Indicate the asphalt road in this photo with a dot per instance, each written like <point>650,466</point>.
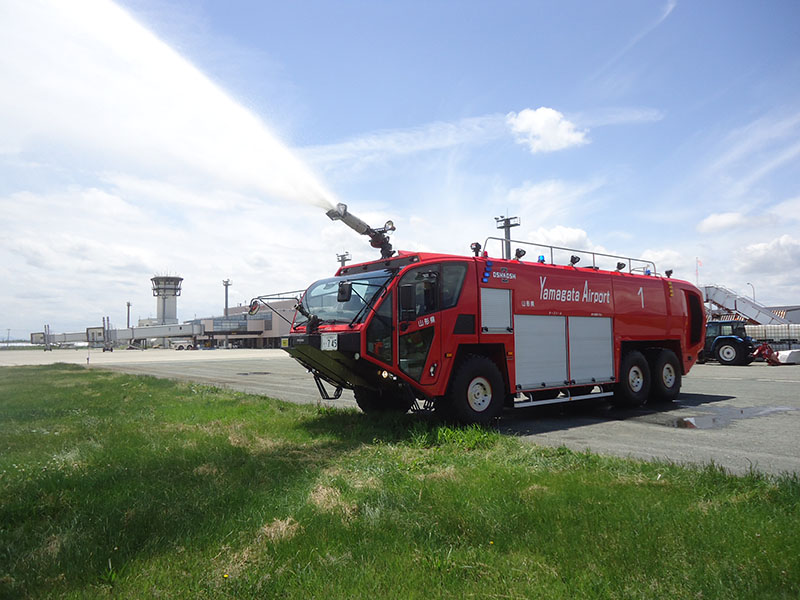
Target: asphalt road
<point>738,417</point>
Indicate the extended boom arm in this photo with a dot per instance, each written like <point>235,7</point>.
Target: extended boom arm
<point>378,238</point>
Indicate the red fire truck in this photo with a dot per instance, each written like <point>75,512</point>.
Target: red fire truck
<point>469,336</point>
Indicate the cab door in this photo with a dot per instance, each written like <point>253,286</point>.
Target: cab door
<point>419,324</point>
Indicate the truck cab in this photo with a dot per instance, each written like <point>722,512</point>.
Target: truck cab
<point>379,328</point>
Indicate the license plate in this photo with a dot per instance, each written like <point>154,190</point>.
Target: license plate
<point>329,341</point>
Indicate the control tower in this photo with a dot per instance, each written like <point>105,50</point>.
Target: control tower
<point>166,289</point>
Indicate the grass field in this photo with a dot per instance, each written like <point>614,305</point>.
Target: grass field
<point>133,487</point>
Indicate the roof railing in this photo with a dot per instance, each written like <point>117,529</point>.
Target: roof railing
<point>634,265</point>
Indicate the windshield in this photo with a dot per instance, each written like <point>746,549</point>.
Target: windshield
<point>320,298</point>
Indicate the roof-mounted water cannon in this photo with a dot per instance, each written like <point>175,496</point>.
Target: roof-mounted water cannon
<point>378,237</point>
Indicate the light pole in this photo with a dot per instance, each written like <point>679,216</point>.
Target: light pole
<point>754,290</point>
<point>343,258</point>
<point>506,223</point>
<point>227,283</point>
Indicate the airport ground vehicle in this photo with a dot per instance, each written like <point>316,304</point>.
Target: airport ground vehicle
<point>728,343</point>
<point>471,335</point>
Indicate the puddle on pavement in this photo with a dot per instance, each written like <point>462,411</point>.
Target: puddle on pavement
<point>726,415</point>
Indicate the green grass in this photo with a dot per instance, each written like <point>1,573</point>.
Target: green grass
<point>134,487</point>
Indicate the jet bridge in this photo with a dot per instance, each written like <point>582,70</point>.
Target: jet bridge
<point>99,334</point>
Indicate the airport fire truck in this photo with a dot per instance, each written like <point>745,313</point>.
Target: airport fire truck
<point>471,335</point>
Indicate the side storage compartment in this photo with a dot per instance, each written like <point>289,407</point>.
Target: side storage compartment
<point>591,350</point>
<point>554,351</point>
<point>495,310</point>
<point>540,351</point>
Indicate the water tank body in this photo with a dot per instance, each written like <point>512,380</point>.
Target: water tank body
<point>166,289</point>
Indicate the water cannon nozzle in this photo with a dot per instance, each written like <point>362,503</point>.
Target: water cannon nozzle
<point>338,213</point>
<point>377,237</point>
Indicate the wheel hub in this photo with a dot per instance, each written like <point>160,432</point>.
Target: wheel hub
<point>635,379</point>
<point>479,394</point>
<point>727,352</point>
<point>668,376</point>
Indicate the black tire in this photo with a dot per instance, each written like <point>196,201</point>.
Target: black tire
<point>665,371</point>
<point>383,401</point>
<point>633,388</point>
<point>729,353</point>
<point>477,392</point>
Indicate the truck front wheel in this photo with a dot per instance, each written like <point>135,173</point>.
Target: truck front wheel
<point>634,380</point>
<point>477,392</point>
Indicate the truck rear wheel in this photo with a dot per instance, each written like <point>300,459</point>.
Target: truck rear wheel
<point>383,401</point>
<point>633,388</point>
<point>477,393</point>
<point>666,372</point>
<point>730,353</point>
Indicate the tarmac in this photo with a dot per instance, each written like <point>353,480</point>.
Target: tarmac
<point>738,418</point>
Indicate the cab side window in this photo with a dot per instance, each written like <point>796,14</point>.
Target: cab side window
<point>452,281</point>
<point>379,332</point>
<point>423,299</point>
<point>431,289</point>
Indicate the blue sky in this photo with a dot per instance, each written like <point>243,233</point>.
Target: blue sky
<point>203,138</point>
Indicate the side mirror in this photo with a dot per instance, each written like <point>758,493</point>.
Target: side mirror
<point>345,291</point>
<point>407,301</point>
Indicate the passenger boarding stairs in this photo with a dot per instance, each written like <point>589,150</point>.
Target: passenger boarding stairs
<point>750,309</point>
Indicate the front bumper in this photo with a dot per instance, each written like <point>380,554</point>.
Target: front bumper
<point>342,366</point>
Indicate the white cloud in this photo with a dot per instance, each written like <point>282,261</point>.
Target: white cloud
<point>752,152</point>
<point>551,202</point>
<point>565,237</point>
<point>681,262</point>
<point>621,115</point>
<point>544,130</point>
<point>774,257</point>
<point>382,145</point>
<point>667,9</point>
<point>721,222</point>
<point>742,213</point>
<point>82,253</point>
<point>761,134</point>
<point>788,210</point>
<point>727,221</point>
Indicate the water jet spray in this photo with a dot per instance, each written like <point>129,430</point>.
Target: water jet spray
<point>378,237</point>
